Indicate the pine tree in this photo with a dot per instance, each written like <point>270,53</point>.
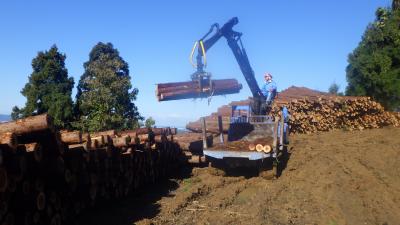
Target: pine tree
<point>396,4</point>
<point>334,89</point>
<point>149,122</point>
<point>49,89</point>
<point>105,95</point>
<point>374,66</point>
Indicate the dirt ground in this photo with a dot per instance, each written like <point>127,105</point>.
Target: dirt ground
<point>330,178</point>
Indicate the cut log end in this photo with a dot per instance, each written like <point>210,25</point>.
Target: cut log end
<point>41,201</point>
<point>252,147</point>
<point>267,148</point>
<point>259,147</point>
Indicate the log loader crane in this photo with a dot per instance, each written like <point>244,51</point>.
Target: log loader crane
<point>235,43</point>
<point>254,138</point>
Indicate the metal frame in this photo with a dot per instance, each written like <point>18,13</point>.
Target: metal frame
<point>279,131</point>
<point>253,155</point>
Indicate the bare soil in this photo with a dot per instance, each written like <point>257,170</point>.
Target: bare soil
<point>330,178</point>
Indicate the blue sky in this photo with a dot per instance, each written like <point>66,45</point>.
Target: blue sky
<point>301,42</point>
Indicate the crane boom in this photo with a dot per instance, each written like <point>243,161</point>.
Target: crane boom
<point>235,43</point>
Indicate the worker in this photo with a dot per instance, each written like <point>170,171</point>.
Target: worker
<point>269,88</point>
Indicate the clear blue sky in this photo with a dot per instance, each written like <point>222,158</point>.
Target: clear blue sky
<point>301,42</point>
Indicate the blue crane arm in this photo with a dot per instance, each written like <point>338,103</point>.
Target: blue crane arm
<point>234,42</point>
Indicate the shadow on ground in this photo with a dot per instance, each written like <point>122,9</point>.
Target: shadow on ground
<point>140,205</point>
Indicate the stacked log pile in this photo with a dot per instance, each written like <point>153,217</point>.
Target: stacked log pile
<point>49,176</point>
<point>313,111</point>
<point>193,89</point>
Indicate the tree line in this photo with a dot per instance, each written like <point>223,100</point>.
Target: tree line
<point>105,96</point>
<point>374,65</point>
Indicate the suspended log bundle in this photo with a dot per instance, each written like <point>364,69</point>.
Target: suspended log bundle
<point>193,89</point>
<point>42,184</point>
<point>313,111</point>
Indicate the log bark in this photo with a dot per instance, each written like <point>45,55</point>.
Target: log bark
<point>191,89</point>
<point>71,137</point>
<point>97,141</point>
<point>130,133</point>
<point>28,125</point>
<point>8,140</point>
<point>121,141</point>
<point>111,133</point>
<point>85,145</point>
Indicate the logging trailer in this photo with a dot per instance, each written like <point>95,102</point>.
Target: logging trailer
<point>254,137</point>
<point>252,141</point>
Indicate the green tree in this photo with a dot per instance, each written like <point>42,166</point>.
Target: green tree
<point>396,4</point>
<point>374,66</point>
<point>16,113</point>
<point>49,89</point>
<point>334,88</point>
<point>105,95</point>
<point>150,122</point>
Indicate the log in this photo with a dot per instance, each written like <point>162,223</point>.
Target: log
<point>94,144</point>
<point>71,137</point>
<point>86,137</point>
<point>161,138</point>
<point>166,131</point>
<point>130,133</point>
<point>28,125</point>
<point>41,201</point>
<point>8,140</point>
<point>143,130</point>
<point>97,142</point>
<point>252,147</point>
<point>85,145</point>
<point>111,133</point>
<point>191,89</point>
<point>259,147</point>
<point>267,148</point>
<point>37,150</point>
<point>121,141</point>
